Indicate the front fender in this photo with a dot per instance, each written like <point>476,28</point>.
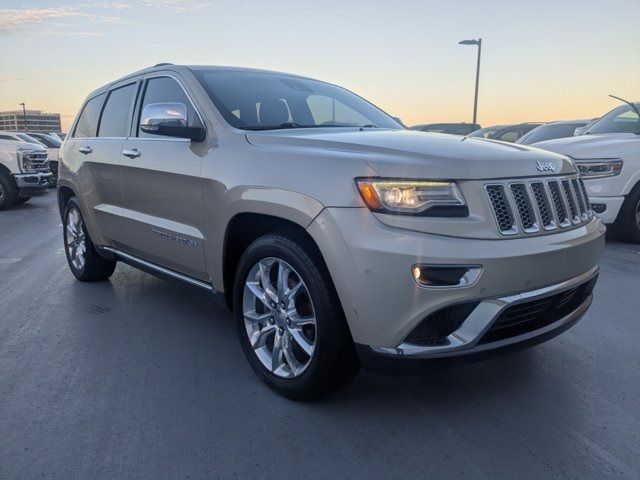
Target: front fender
<point>295,207</point>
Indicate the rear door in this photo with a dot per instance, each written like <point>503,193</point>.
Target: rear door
<point>162,188</point>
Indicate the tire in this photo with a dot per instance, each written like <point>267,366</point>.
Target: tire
<point>21,200</point>
<point>628,222</point>
<point>77,243</point>
<point>333,361</point>
<point>7,190</point>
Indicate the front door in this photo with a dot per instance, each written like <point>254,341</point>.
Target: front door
<point>162,190</point>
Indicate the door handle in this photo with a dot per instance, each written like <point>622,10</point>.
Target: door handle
<point>133,153</point>
<point>86,150</point>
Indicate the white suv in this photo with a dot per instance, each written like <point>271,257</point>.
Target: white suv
<point>608,156</point>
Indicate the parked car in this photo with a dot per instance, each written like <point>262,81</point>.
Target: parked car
<point>24,172</point>
<point>53,145</point>
<point>337,237</point>
<point>451,128</point>
<point>608,156</point>
<point>551,131</point>
<point>505,133</point>
<point>50,144</point>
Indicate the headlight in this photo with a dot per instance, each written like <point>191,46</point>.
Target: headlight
<point>412,197</point>
<point>599,168</point>
<point>31,161</point>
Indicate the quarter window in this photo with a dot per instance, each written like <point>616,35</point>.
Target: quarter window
<point>115,116</point>
<point>88,121</point>
<point>168,90</point>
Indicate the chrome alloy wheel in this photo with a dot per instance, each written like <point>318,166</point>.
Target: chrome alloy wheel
<point>638,214</point>
<point>279,317</point>
<point>75,239</point>
<point>1,193</point>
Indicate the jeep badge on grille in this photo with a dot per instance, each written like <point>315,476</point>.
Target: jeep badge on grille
<point>545,166</point>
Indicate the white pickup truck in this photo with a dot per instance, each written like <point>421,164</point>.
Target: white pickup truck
<point>24,172</point>
<point>608,156</point>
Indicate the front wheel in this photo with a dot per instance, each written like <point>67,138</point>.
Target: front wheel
<point>21,200</point>
<point>290,321</point>
<point>628,222</point>
<point>84,261</point>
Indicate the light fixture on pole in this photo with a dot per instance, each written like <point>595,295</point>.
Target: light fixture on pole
<point>475,100</point>
<point>24,114</point>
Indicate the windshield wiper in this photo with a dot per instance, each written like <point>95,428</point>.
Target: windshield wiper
<point>369,125</point>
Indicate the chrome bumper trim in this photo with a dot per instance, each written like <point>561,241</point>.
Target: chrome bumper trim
<point>41,179</point>
<point>465,339</point>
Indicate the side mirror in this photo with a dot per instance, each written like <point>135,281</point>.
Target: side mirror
<point>170,120</point>
<point>578,131</point>
<point>399,120</point>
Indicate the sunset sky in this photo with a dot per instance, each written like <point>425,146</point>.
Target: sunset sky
<point>542,60</point>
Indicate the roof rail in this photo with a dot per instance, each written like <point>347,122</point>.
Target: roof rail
<point>161,64</point>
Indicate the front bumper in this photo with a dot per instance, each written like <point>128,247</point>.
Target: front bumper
<point>370,265</point>
<point>34,184</point>
<point>473,340</point>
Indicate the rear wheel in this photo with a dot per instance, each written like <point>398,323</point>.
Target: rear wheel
<point>628,222</point>
<point>84,261</point>
<point>290,322</point>
<point>7,191</point>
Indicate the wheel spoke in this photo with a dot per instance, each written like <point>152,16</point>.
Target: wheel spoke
<point>256,318</point>
<point>71,230</point>
<point>259,293</point>
<point>302,341</point>
<point>283,277</point>
<point>287,349</point>
<point>298,321</point>
<point>292,293</point>
<point>259,338</point>
<point>276,354</point>
<point>266,282</point>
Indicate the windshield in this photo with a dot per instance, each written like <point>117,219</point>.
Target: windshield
<point>550,131</point>
<point>28,138</point>
<point>623,119</point>
<point>484,132</point>
<point>268,101</point>
<point>48,141</point>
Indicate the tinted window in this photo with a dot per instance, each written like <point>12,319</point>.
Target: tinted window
<point>550,132</point>
<point>164,90</point>
<point>88,121</point>
<point>623,119</point>
<point>48,141</point>
<point>28,138</point>
<point>265,101</point>
<point>508,136</point>
<point>115,116</point>
<point>6,137</point>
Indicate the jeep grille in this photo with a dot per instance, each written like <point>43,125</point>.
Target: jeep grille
<point>540,204</point>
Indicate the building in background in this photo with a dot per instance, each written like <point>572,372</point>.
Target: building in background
<point>37,121</point>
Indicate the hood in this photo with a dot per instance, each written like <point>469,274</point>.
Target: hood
<point>15,146</point>
<point>411,154</point>
<point>604,145</point>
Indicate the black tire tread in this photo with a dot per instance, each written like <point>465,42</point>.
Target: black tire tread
<point>626,226</point>
<point>10,191</point>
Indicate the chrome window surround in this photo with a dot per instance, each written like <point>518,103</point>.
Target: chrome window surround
<point>568,189</point>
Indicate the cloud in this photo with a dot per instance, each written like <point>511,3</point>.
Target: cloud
<point>15,20</point>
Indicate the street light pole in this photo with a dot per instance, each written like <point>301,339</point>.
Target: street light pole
<point>475,100</point>
<point>24,115</point>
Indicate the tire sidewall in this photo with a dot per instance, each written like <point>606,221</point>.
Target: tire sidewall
<point>328,327</point>
<point>9,191</point>
<point>73,203</point>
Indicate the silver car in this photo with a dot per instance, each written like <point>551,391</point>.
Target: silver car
<point>337,237</point>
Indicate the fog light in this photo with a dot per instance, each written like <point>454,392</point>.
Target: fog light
<point>445,275</point>
<point>599,207</point>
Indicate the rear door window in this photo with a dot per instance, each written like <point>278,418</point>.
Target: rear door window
<point>115,120</point>
<point>88,122</point>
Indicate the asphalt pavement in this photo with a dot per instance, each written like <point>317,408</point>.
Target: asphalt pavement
<point>139,377</point>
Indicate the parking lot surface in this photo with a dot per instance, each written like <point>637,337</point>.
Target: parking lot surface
<point>139,377</point>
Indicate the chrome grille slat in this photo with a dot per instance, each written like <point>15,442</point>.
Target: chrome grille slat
<point>525,207</point>
<point>573,208</point>
<point>542,202</point>
<point>501,209</point>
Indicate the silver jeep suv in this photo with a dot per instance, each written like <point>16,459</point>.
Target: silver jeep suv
<point>337,237</point>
